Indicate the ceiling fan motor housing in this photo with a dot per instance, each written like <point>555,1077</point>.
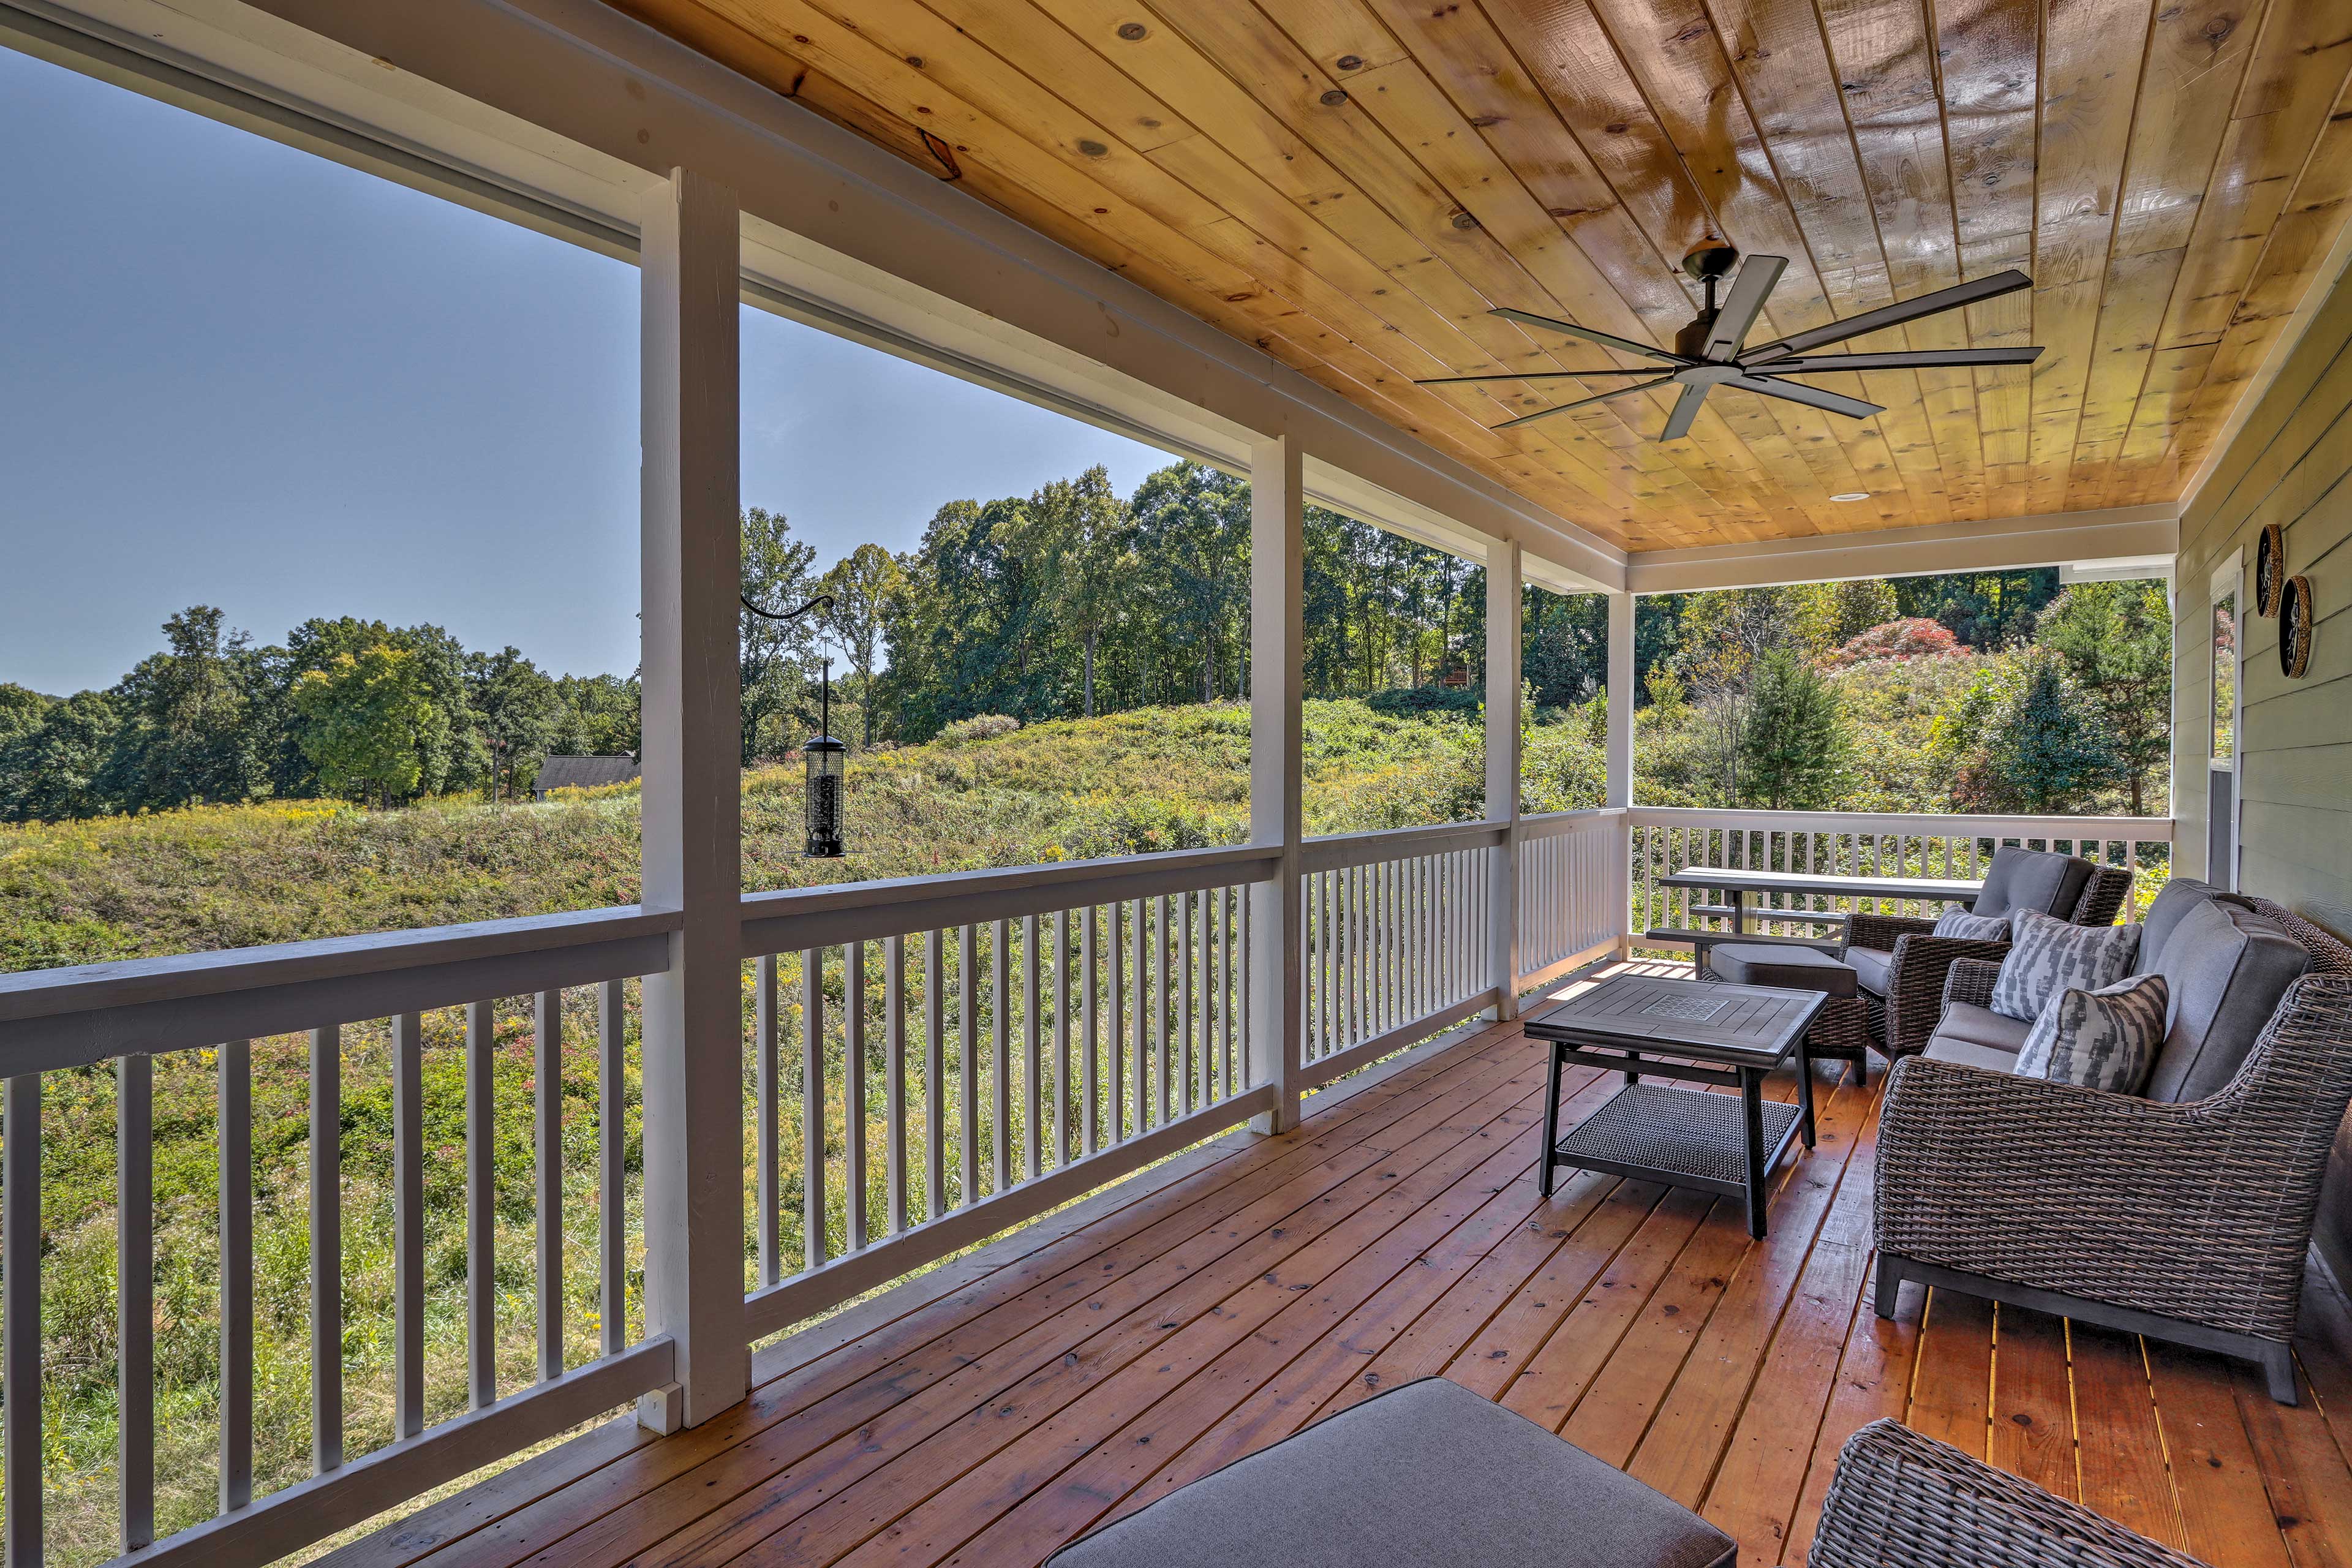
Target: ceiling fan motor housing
<point>1710,258</point>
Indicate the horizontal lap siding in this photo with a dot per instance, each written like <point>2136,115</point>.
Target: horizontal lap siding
<point>2291,465</point>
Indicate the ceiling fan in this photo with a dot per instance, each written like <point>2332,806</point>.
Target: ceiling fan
<point>1707,353</point>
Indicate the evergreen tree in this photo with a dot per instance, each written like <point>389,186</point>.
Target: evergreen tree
<point>1793,745</point>
<point>2116,641</point>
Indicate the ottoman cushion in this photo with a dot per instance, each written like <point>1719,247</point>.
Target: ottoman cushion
<point>1871,967</point>
<point>1787,968</point>
<point>1427,1474</point>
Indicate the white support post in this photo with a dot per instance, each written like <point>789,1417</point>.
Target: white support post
<point>693,1020</point>
<point>1503,618</point>
<point>1622,698</point>
<point>1277,774</point>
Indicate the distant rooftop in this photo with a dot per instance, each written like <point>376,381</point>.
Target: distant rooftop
<point>582,772</point>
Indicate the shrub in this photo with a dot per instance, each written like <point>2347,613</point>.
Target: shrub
<point>1916,638</point>
<point>980,727</point>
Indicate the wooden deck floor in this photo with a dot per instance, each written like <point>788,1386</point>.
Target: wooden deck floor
<point>1011,1401</point>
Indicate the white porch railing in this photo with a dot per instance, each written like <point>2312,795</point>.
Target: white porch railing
<point>391,991</point>
<point>1571,897</point>
<point>1663,840</point>
<point>1398,939</point>
<point>929,1062</point>
<point>1036,1034</point>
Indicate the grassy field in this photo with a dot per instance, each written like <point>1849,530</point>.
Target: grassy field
<point>232,877</point>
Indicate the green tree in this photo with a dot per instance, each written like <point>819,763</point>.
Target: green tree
<point>518,712</point>
<point>1793,744</point>
<point>774,656</point>
<point>861,584</point>
<point>451,754</point>
<point>1089,537</point>
<point>56,769</point>
<point>363,713</point>
<point>1827,614</point>
<point>2116,641</point>
<point>2022,739</point>
<point>1193,525</point>
<point>185,738</point>
<point>601,715</point>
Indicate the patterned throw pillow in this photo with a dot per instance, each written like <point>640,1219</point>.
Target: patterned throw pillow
<point>2051,956</point>
<point>2101,1039</point>
<point>1972,927</point>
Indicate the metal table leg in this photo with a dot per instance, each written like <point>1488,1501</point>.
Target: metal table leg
<point>1805,1087</point>
<point>1751,1102</point>
<point>1552,1118</point>
<point>1633,1075</point>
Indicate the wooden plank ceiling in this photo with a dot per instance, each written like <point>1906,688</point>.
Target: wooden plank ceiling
<point>1352,183</point>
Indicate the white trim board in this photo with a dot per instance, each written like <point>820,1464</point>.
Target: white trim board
<point>2073,537</point>
<point>568,110</point>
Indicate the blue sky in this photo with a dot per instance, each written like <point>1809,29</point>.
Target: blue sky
<point>238,374</point>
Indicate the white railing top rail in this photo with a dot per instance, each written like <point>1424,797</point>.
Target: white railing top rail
<point>52,1019</point>
<point>1545,823</point>
<point>796,917</point>
<point>2146,829</point>
<point>1338,850</point>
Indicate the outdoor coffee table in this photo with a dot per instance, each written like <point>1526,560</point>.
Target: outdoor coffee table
<point>1711,1033</point>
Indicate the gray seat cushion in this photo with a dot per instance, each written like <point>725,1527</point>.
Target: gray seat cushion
<point>1870,966</point>
<point>1429,1475</point>
<point>1967,1024</point>
<point>2227,968</point>
<point>1941,1048</point>
<point>1789,968</point>
<point>2033,879</point>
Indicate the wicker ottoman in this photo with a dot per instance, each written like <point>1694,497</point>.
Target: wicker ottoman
<point>1841,1029</point>
<point>1427,1475</point>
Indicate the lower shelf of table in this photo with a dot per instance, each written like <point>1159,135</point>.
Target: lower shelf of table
<point>1677,1135</point>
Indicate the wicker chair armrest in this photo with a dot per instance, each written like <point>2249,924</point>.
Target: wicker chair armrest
<point>1882,932</point>
<point>1970,979</point>
<point>1915,981</point>
<point>1899,1497</point>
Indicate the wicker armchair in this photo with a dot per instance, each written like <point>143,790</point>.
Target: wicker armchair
<point>2187,1222</point>
<point>1900,1498</point>
<point>1903,1018</point>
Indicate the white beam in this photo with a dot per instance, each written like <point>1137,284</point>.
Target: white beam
<point>693,1014</point>
<point>1278,771</point>
<point>1623,694</point>
<point>1998,544</point>
<point>1504,617</point>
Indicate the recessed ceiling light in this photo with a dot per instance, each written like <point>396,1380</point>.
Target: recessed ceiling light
<point>1852,495</point>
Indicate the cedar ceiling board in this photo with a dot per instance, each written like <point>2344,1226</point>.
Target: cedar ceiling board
<point>2172,175</point>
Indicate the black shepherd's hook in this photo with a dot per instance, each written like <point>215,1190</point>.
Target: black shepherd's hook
<point>824,599</point>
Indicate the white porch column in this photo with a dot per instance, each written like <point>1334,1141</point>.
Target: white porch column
<point>1503,622</point>
<point>693,1018</point>
<point>1621,754</point>
<point>1278,775</point>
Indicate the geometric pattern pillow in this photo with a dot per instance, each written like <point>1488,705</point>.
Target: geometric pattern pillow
<point>2050,956</point>
<point>2101,1039</point>
<point>1972,927</point>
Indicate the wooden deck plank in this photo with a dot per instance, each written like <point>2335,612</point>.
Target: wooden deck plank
<point>2224,1509</point>
<point>1025,1477</point>
<point>577,1524</point>
<point>1148,1337</point>
<point>2031,1433</point>
<point>2119,1447</point>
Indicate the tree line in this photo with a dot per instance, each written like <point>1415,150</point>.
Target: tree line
<point>1075,601</point>
<point>343,707</point>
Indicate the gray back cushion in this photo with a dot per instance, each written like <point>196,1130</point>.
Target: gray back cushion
<point>2033,879</point>
<point>2227,968</point>
<point>2180,895</point>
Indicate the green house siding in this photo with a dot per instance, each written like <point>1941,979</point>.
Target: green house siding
<point>2291,465</point>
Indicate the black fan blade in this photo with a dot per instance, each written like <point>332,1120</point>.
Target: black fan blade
<point>1894,315</point>
<point>1916,359</point>
<point>1534,375</point>
<point>1622,345</point>
<point>1758,277</point>
<point>1564,407</point>
<point>1797,392</point>
<point>1685,412</point>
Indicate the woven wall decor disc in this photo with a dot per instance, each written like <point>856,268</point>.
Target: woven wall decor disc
<point>2295,628</point>
<point>2270,568</point>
